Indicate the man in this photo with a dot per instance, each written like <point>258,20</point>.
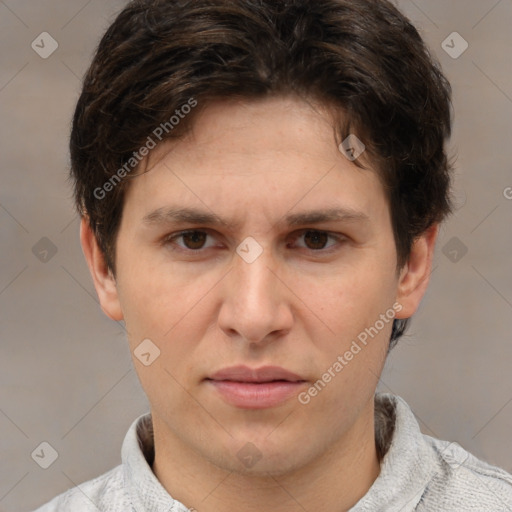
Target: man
<point>261,184</point>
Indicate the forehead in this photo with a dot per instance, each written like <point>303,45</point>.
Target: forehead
<point>278,154</point>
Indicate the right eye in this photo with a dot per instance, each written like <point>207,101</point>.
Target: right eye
<point>192,240</point>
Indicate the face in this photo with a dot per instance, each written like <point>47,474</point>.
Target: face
<point>255,242</point>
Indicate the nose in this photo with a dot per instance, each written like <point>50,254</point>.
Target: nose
<point>256,305</point>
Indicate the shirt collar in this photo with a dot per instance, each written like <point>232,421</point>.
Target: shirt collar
<point>408,463</point>
<point>146,493</point>
<point>407,467</point>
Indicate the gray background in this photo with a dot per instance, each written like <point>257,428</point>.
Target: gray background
<point>65,372</point>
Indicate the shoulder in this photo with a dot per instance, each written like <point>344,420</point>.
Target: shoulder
<point>461,481</point>
<point>422,473</point>
<point>106,492</point>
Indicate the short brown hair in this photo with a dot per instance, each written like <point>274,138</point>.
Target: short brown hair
<point>362,58</point>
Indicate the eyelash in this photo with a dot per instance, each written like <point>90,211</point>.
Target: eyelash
<point>170,240</point>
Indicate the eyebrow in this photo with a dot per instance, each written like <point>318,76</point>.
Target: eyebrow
<point>206,218</point>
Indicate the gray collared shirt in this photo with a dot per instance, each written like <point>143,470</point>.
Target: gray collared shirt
<point>418,473</point>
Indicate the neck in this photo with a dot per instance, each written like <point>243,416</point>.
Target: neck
<point>335,481</point>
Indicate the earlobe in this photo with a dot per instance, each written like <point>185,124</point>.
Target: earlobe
<point>415,275</point>
<point>104,281</point>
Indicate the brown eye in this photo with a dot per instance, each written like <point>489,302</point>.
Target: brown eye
<point>194,240</point>
<point>316,240</point>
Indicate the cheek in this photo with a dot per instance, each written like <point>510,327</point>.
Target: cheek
<point>176,314</point>
<point>350,358</point>
<point>175,320</point>
<point>351,354</point>
<point>350,300</point>
<point>153,296</point>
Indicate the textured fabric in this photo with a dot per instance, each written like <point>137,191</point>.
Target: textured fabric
<point>418,473</point>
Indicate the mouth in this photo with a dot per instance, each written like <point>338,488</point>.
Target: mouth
<point>260,388</point>
<point>256,375</point>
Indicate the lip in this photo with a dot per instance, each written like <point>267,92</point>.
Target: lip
<point>259,375</point>
<point>256,388</point>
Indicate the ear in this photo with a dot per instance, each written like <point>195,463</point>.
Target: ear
<point>415,275</point>
<point>104,281</point>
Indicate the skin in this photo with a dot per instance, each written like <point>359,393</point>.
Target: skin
<point>298,306</point>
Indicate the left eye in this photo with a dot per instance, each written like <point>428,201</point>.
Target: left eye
<point>317,240</point>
